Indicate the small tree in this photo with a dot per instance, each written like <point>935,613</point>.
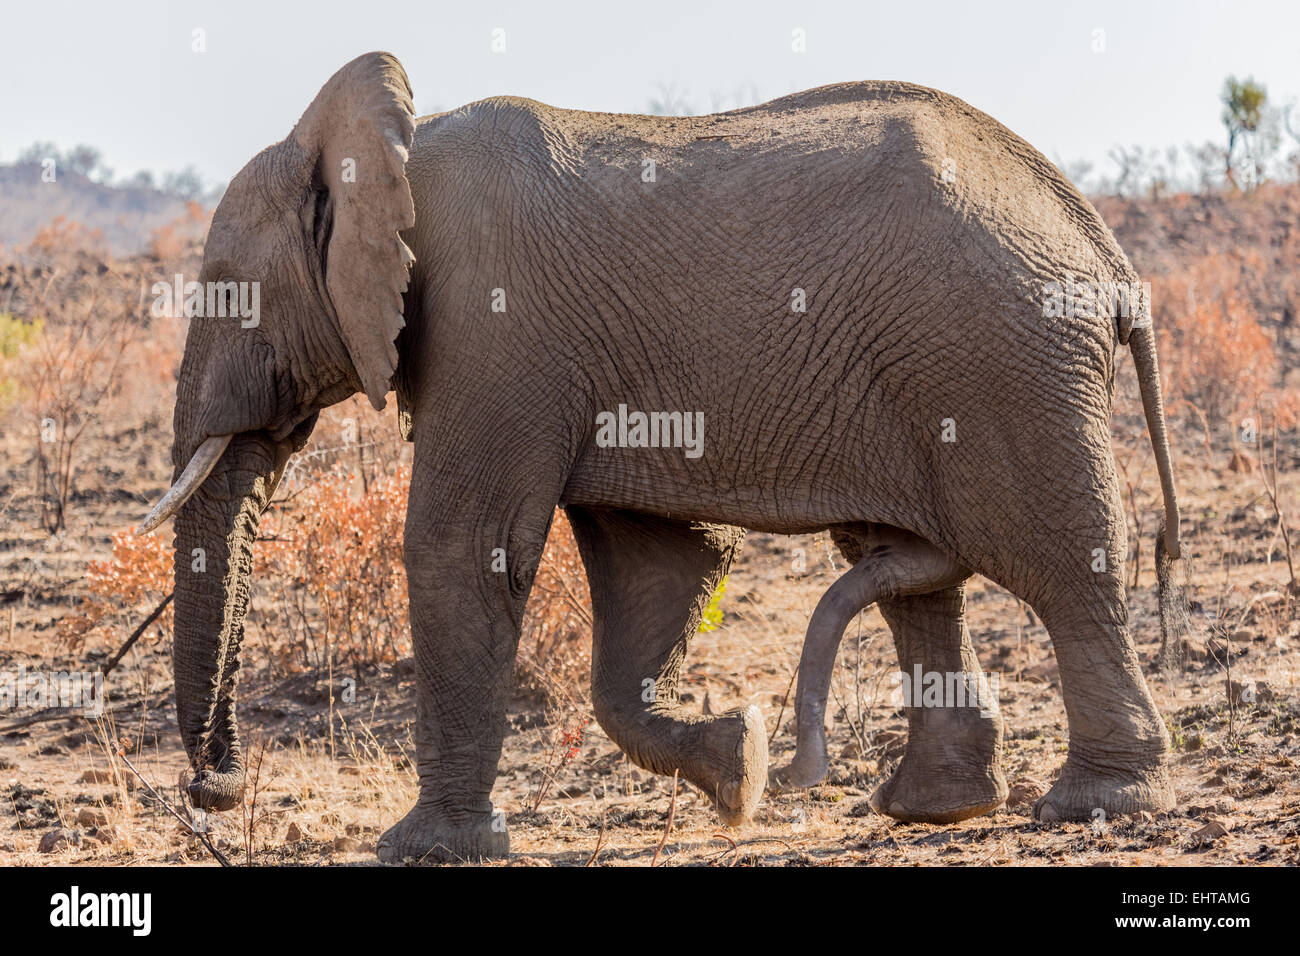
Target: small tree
<point>1207,160</point>
<point>1132,170</point>
<point>185,184</point>
<point>87,161</point>
<point>1244,105</point>
<point>670,102</point>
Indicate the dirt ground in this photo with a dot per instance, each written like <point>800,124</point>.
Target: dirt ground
<point>333,775</point>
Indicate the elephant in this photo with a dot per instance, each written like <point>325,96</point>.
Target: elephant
<point>836,311</point>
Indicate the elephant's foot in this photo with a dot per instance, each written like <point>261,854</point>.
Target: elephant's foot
<point>804,770</point>
<point>1082,794</point>
<point>929,794</point>
<point>425,836</point>
<point>952,770</point>
<point>734,770</point>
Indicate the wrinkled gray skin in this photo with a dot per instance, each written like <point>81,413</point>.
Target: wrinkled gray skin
<point>924,303</point>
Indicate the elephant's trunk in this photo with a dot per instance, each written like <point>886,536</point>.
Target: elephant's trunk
<point>215,529</point>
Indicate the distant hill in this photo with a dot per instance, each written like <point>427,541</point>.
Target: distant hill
<point>125,216</point>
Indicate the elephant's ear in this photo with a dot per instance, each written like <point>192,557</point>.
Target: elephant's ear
<point>357,133</point>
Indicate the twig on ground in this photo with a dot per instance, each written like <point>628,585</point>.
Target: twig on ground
<point>735,846</point>
<point>1268,475</point>
<point>784,700</point>
<point>600,839</point>
<point>220,857</point>
<point>672,812</point>
<point>734,849</point>
<point>135,635</point>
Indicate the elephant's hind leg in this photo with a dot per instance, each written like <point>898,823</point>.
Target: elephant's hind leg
<point>651,579</point>
<point>1118,757</point>
<point>952,768</point>
<point>1063,550</point>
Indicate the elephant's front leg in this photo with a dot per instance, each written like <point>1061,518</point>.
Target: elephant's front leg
<point>651,579</point>
<point>952,768</point>
<point>465,619</point>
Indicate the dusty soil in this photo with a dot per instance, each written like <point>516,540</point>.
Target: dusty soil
<point>334,774</point>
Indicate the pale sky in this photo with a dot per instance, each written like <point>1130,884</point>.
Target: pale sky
<point>122,76</point>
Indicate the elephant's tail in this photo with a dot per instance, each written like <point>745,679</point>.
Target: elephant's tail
<point>1142,343</point>
<point>1174,614</point>
<point>1173,599</point>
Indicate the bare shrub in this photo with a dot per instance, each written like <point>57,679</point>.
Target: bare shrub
<point>555,645</point>
<point>334,560</point>
<point>81,355</point>
<point>67,374</point>
<point>1213,350</point>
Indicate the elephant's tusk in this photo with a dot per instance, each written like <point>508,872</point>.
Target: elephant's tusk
<point>195,472</point>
